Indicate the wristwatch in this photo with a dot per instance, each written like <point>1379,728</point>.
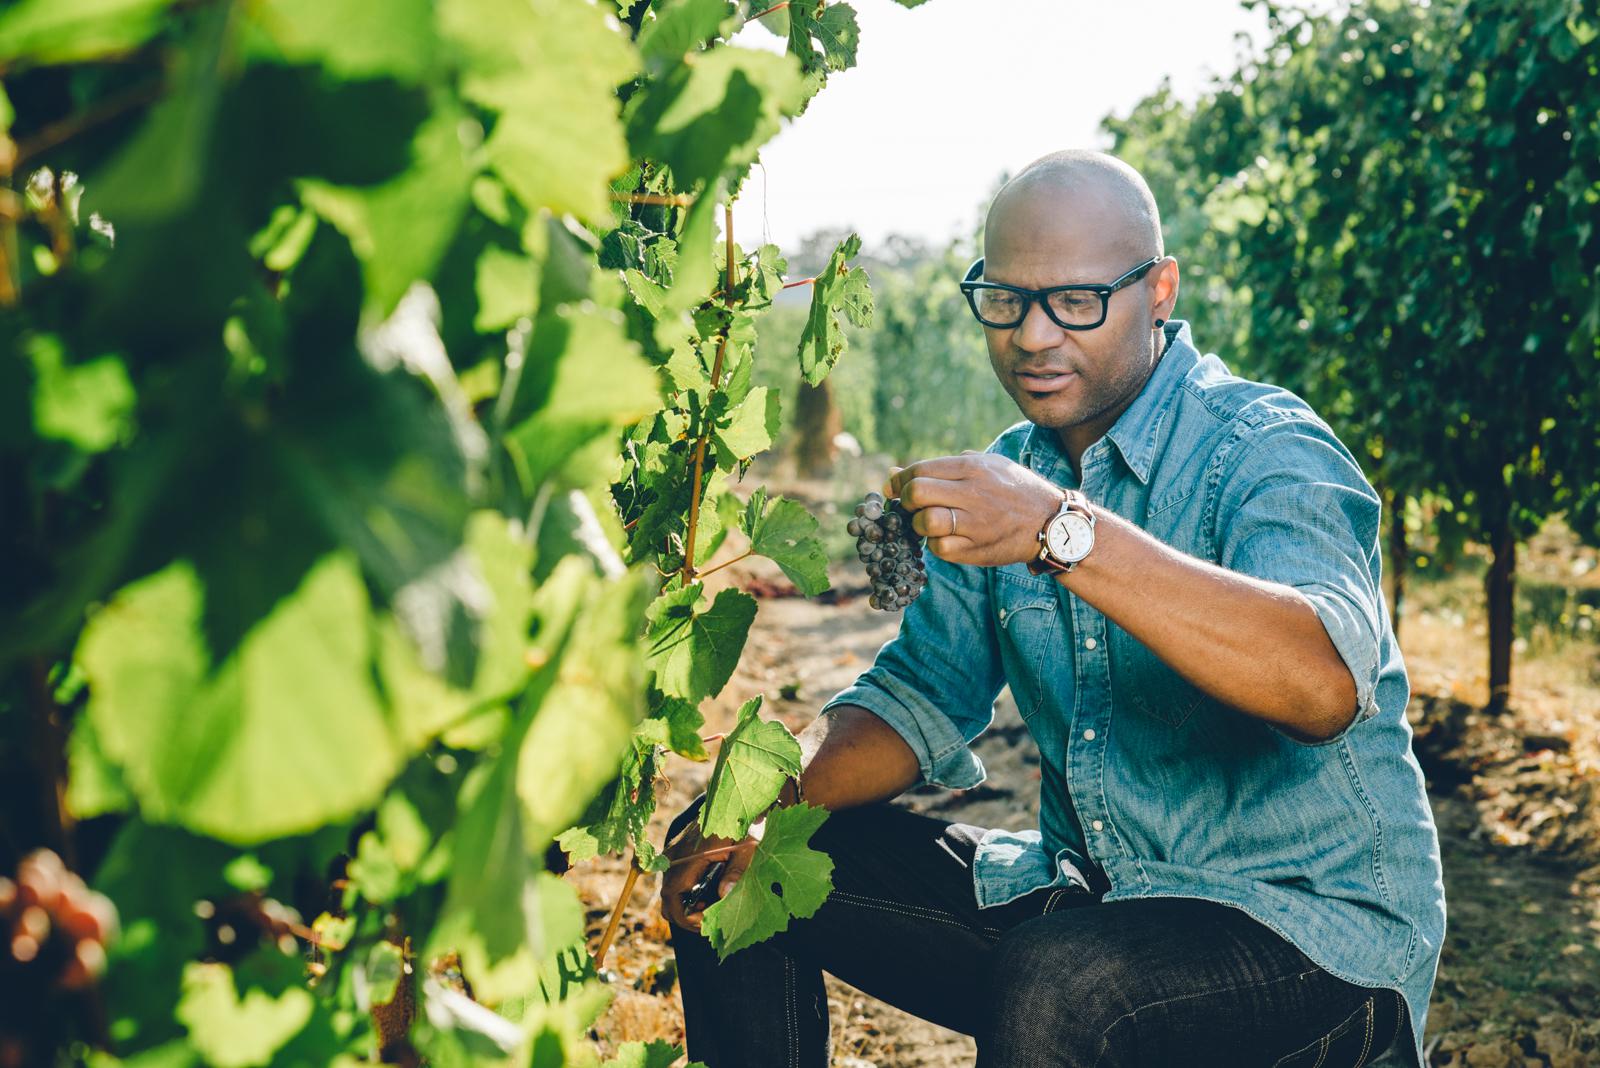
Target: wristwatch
<point>1067,538</point>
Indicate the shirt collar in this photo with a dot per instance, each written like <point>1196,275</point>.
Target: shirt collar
<point>1137,431</point>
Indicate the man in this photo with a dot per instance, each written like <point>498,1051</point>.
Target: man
<point>1176,571</point>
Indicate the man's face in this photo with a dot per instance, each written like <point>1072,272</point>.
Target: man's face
<point>1049,238</point>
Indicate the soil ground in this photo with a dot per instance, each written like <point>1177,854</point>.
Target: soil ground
<point>1516,798</point>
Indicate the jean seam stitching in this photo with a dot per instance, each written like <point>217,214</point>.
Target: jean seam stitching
<point>916,912</point>
<point>1105,1043</point>
<point>789,997</point>
<point>1366,1047</point>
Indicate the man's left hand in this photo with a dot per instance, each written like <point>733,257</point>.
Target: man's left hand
<point>976,508</point>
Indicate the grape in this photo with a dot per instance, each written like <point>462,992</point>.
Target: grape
<point>891,551</point>
<point>54,928</point>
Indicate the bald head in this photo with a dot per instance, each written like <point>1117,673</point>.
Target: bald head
<point>1105,200</point>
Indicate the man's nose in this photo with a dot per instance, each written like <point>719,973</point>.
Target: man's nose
<point>1038,331</point>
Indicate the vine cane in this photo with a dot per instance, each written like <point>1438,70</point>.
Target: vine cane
<point>616,912</point>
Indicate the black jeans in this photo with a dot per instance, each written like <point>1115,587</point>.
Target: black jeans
<point>1054,978</point>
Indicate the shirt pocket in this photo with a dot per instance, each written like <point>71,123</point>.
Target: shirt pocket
<point>1028,614</point>
<point>1142,680</point>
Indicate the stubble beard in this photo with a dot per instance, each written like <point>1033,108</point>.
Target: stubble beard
<point>1090,398</point>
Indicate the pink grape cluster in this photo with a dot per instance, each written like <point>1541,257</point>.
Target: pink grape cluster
<point>891,550</point>
<point>54,925</point>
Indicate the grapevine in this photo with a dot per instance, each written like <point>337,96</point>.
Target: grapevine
<point>466,393</point>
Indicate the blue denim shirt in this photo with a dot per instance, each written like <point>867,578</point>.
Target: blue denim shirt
<point>1167,791</point>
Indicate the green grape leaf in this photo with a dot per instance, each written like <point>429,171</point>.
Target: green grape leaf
<point>160,933</point>
<point>383,970</point>
<point>582,377</point>
<point>719,515</point>
<point>159,170</point>
<point>243,750</point>
<point>559,156</point>
<point>694,272</point>
<point>551,68</point>
<point>392,40</point>
<point>425,702</point>
<point>617,818</point>
<point>692,651</point>
<point>839,289</point>
<point>581,732</point>
<point>750,428</point>
<point>233,1031</point>
<point>497,913</point>
<point>388,856</point>
<point>683,727</point>
<point>834,31</point>
<point>508,289</point>
<point>94,784</point>
<point>752,764</point>
<point>333,932</point>
<point>53,31</point>
<point>708,119</point>
<point>785,533</point>
<point>679,28</point>
<point>400,229</point>
<point>752,912</point>
<point>88,404</point>
<point>656,1054</point>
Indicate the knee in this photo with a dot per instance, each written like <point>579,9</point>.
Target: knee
<point>1048,993</point>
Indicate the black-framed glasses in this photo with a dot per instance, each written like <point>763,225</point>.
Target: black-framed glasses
<point>1072,307</point>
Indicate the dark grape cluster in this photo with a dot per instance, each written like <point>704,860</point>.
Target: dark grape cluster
<point>55,927</point>
<point>891,550</point>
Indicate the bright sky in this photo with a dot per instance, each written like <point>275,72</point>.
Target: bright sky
<point>948,96</point>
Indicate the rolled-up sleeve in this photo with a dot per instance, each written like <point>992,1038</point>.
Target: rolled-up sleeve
<point>936,681</point>
<point>1296,509</point>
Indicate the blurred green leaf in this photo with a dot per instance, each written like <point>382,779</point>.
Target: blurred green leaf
<point>507,286</point>
<point>391,40</point>
<point>680,27</point>
<point>71,31</point>
<point>283,735</point>
<point>89,404</point>
<point>708,119</point>
<point>401,228</point>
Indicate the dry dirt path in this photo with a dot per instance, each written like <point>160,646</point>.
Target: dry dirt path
<point>1520,981</point>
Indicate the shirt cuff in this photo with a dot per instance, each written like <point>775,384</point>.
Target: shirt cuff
<point>1351,634</point>
<point>941,751</point>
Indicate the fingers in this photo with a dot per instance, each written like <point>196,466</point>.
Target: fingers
<point>949,468</point>
<point>958,549</point>
<point>709,855</point>
<point>890,489</point>
<point>938,521</point>
<point>925,491</point>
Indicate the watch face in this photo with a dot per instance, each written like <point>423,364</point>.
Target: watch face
<point>1070,537</point>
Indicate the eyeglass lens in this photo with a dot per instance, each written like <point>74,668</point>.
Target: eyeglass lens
<point>1073,307</point>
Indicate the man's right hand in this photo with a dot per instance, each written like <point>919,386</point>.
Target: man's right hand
<point>691,855</point>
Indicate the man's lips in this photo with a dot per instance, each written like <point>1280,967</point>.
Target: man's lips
<point>1045,381</point>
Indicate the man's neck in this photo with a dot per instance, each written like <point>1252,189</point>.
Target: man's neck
<point>1075,440</point>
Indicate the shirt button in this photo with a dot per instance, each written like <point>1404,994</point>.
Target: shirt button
<point>1097,825</point>
<point>1089,643</point>
<point>1002,615</point>
<point>1088,735</point>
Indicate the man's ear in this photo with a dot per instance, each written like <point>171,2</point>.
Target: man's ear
<point>1166,287</point>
